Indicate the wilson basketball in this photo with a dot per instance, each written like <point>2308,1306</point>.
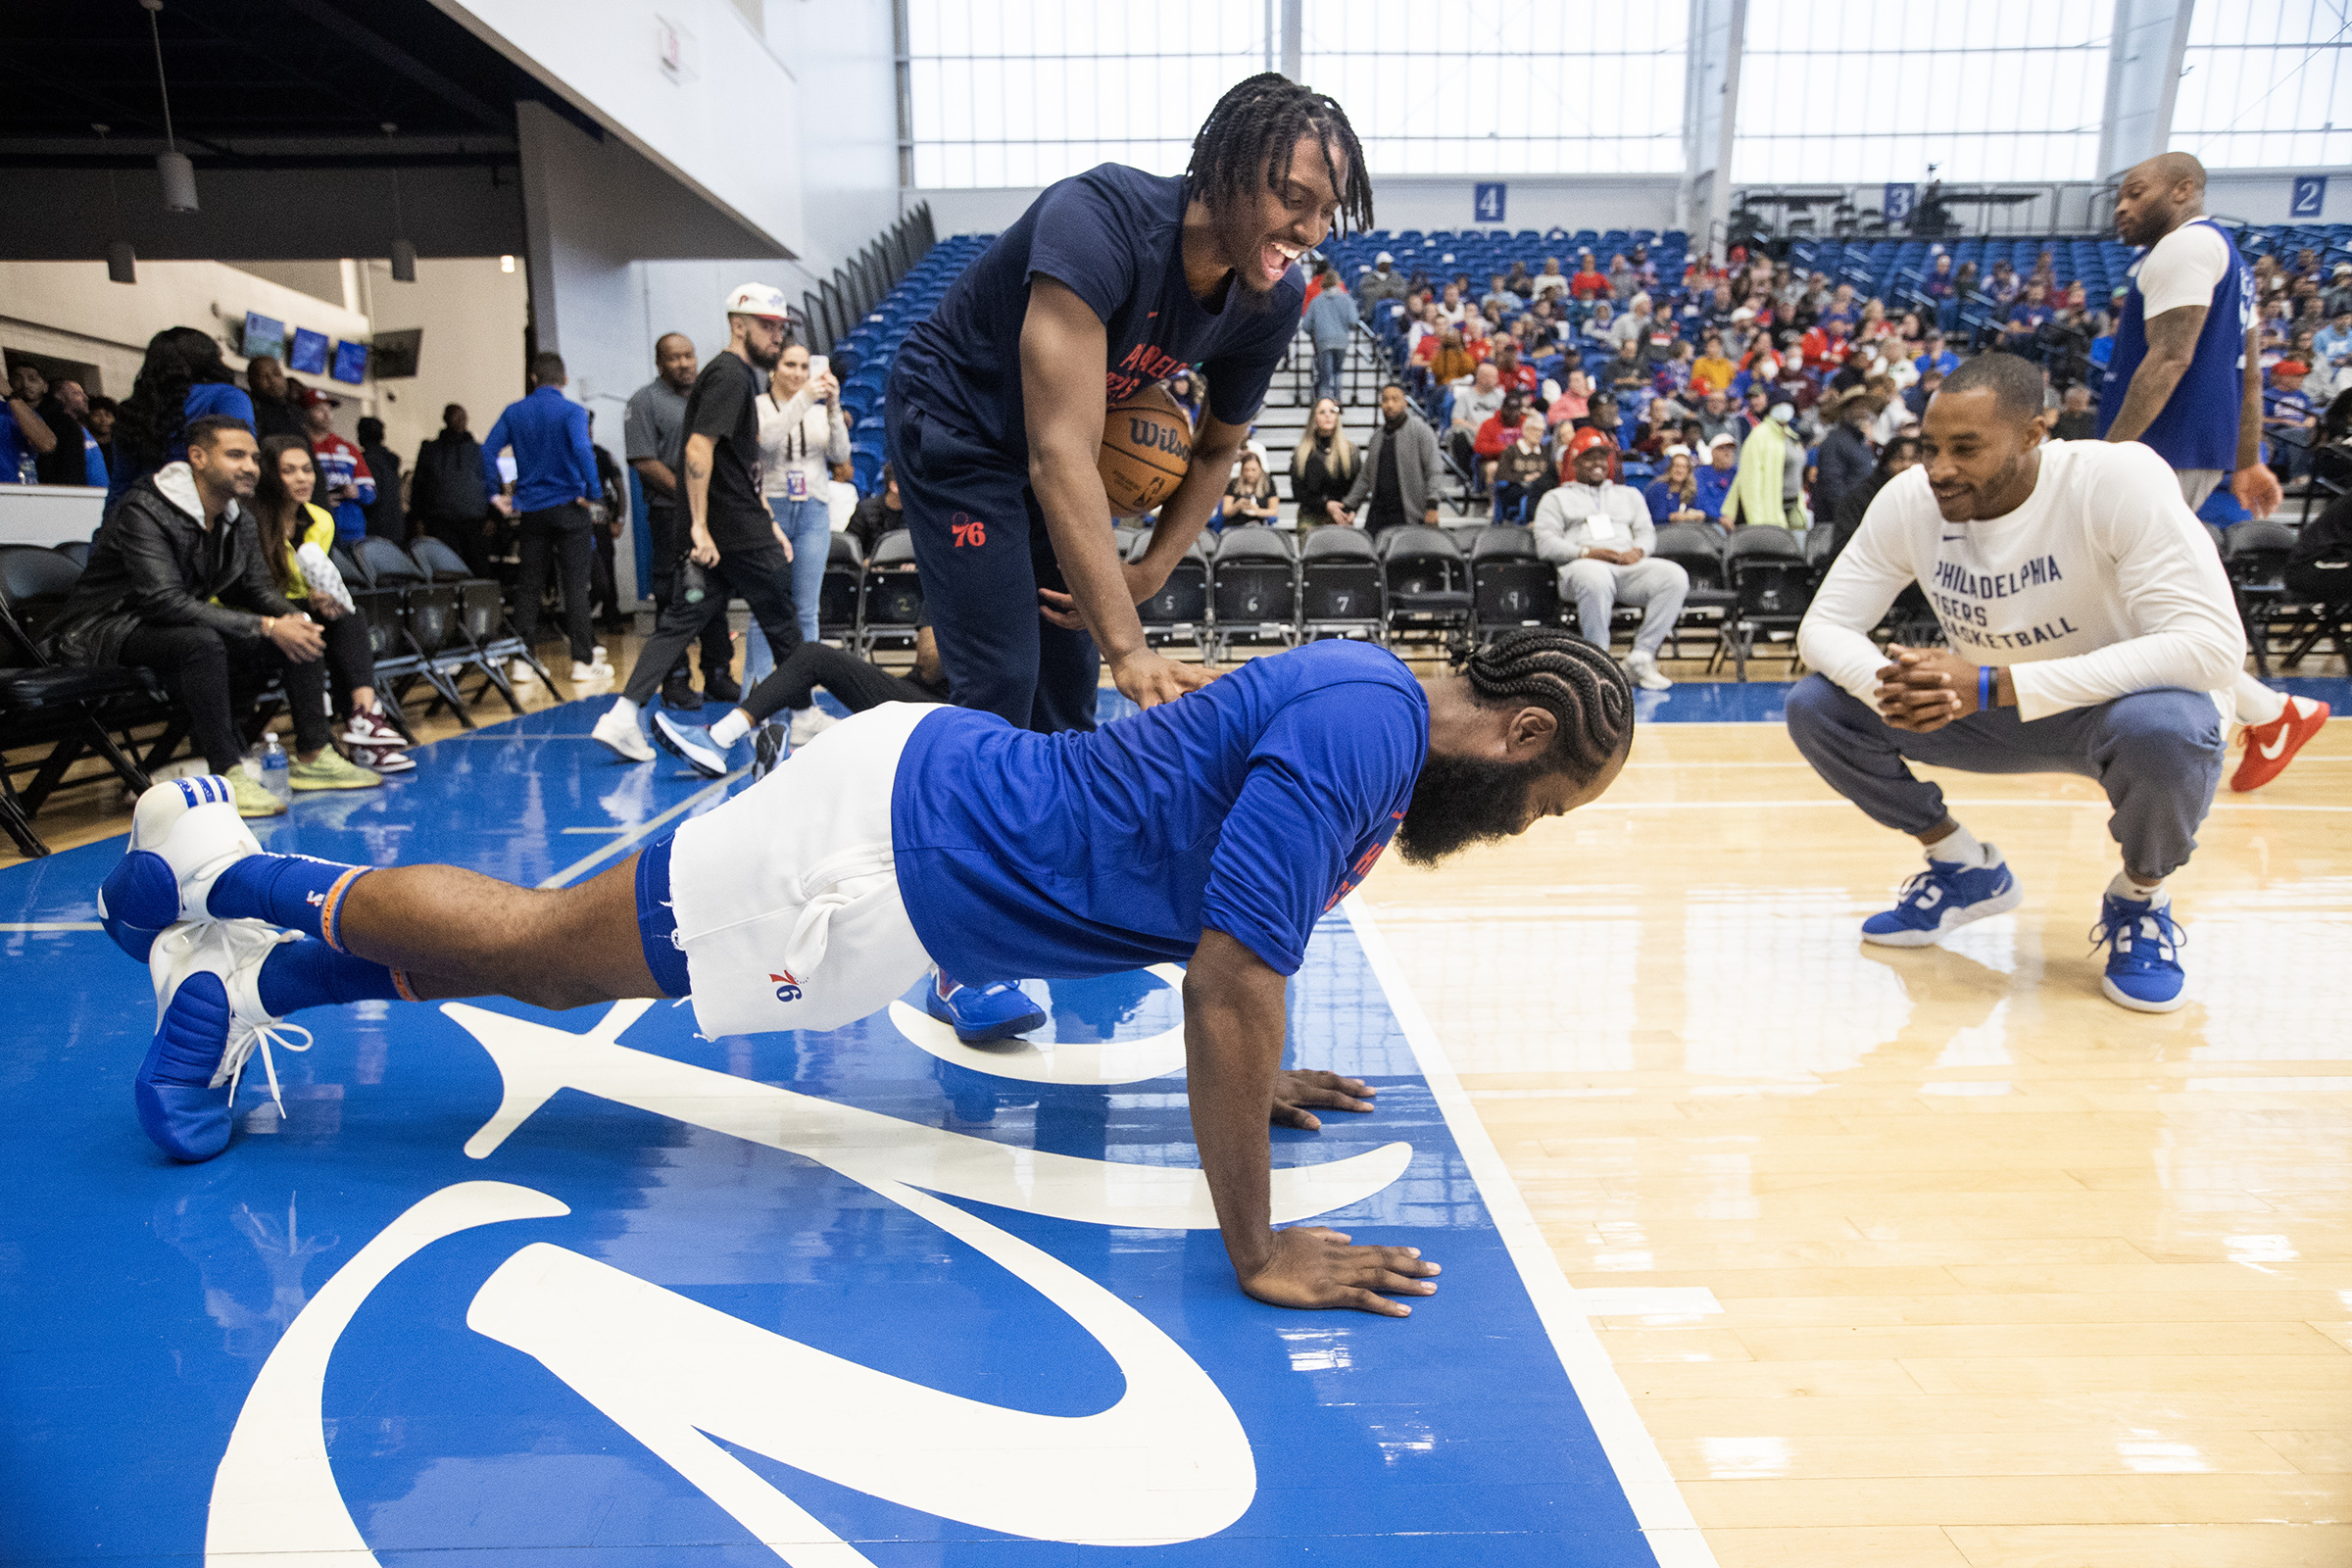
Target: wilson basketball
<point>1146,441</point>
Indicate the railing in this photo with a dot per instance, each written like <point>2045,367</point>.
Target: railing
<point>835,307</point>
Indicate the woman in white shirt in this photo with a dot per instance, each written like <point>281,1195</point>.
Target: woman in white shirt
<point>801,437</point>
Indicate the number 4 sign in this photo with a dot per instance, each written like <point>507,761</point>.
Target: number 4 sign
<point>1489,203</point>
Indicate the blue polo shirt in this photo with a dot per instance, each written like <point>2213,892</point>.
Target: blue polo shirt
<point>553,462</point>
<point>1250,806</point>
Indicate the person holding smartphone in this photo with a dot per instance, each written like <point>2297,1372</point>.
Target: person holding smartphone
<point>802,436</point>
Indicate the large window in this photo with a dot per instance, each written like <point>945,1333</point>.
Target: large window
<point>1026,92</point>
<point>1858,91</point>
<point>2265,84</point>
<point>1503,86</point>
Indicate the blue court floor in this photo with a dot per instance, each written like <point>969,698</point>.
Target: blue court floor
<point>502,1289</point>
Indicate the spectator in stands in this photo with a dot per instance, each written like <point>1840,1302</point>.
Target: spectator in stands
<point>1588,281</point>
<point>386,516</point>
<point>1711,368</point>
<point>1625,281</point>
<point>2004,285</point>
<point>875,515</point>
<point>653,440</point>
<point>1323,464</point>
<point>1601,534</point>
<point>1603,420</point>
<point>1251,496</point>
<point>1523,473</point>
<point>1498,432</point>
<point>1755,408</point>
<point>295,537</point>
<point>1940,285</point>
<point>1476,400</point>
<point>176,583</point>
<point>801,437</point>
<point>446,494</point>
<point>344,478</point>
<point>1935,357</point>
<point>1551,283</point>
<point>1330,326</point>
<point>1398,479</point>
<point>1185,387</point>
<point>274,412</point>
<point>1511,373</point>
<point>1384,282</point>
<point>1826,347</point>
<point>77,460</point>
<point>100,423</point>
<point>1625,374</point>
<point>1450,305</point>
<point>2332,344</point>
<point>1845,458</point>
<point>2076,420</point>
<point>1916,395</point>
<point>1574,402</point>
<point>2019,330</point>
<point>1598,329</point>
<point>1770,489</point>
<point>1715,417</point>
<point>1499,296</point>
<point>2288,420</point>
<point>55,459</point>
<point>1714,480</point>
<point>1899,454</point>
<point>554,483</point>
<point>1633,325</point>
<point>2337,301</point>
<point>1673,496</point>
<point>180,379</point>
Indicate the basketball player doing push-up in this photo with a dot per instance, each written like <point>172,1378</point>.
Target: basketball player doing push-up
<point>1213,831</point>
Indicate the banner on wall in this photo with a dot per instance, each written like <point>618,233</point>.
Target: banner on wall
<point>1489,201</point>
<point>2310,198</point>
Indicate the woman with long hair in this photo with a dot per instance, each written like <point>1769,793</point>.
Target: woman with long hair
<point>181,378</point>
<point>1250,498</point>
<point>1673,497</point>
<point>802,436</point>
<point>1452,360</point>
<point>295,539</point>
<point>1323,465</point>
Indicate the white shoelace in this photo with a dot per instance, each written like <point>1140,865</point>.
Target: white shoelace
<point>244,1035</point>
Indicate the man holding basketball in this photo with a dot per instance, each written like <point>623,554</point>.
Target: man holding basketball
<point>1111,282</point>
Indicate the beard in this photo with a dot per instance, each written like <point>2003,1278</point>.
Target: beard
<point>765,359</point>
<point>1461,801</point>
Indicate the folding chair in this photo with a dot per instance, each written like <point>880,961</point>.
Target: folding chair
<point>1426,581</point>
<point>1772,586</point>
<point>1179,612</point>
<point>1511,585</point>
<point>839,592</point>
<point>43,704</point>
<point>893,600</point>
<point>1254,599</point>
<point>1340,586</point>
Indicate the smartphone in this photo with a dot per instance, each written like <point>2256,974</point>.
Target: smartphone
<point>819,366</point>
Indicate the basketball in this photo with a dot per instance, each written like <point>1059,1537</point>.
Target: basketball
<point>1146,441</point>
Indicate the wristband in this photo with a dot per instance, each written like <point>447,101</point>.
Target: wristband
<point>1985,688</point>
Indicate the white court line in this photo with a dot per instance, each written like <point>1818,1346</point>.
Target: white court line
<point>1657,1502</point>
<point>615,828</point>
<point>50,925</point>
<point>643,831</point>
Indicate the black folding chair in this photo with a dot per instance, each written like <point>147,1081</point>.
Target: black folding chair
<point>1256,594</point>
<point>1427,582</point>
<point>1698,550</point>
<point>892,606</point>
<point>1340,586</point>
<point>838,595</point>
<point>1179,612</point>
<point>2255,552</point>
<point>45,705</point>
<point>412,627</point>
<point>1511,585</point>
<point>481,625</point>
<point>1771,587</point>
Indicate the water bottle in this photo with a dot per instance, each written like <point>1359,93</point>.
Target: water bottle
<point>277,777</point>
<point>694,580</point>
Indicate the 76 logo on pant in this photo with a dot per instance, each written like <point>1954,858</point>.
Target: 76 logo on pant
<point>967,530</point>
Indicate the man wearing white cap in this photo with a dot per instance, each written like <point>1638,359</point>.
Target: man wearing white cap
<point>1383,282</point>
<point>735,548</point>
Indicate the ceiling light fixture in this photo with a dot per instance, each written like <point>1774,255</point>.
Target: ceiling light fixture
<point>172,166</point>
<point>122,262</point>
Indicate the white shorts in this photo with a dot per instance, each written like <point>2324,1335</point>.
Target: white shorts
<point>787,897</point>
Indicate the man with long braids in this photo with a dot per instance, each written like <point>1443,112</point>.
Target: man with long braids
<point>1214,832</point>
<point>1112,280</point>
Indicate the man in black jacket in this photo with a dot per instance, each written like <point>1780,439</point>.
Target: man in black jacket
<point>447,496</point>
<point>1845,458</point>
<point>385,514</point>
<point>176,583</point>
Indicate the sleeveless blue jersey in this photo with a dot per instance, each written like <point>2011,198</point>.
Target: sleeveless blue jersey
<point>2198,428</point>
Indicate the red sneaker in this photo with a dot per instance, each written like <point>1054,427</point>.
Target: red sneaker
<point>2271,747</point>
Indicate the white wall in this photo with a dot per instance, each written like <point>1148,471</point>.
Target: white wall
<point>727,127</point>
<point>841,52</point>
<point>2260,195</point>
<point>68,309</point>
<point>473,315</point>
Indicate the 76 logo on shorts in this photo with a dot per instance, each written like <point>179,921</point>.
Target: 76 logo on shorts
<point>967,530</point>
<point>787,988</point>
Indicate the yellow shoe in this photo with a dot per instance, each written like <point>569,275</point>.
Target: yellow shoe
<point>253,800</point>
<point>329,771</point>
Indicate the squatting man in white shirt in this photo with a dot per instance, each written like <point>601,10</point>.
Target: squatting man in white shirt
<point>2091,631</point>
<point>1602,535</point>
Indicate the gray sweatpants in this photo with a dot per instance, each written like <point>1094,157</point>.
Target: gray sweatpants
<point>2158,755</point>
<point>1597,586</point>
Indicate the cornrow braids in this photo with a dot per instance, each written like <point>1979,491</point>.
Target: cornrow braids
<point>1246,143</point>
<point>1578,683</point>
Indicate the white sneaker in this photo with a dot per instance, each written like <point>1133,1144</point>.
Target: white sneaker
<point>520,672</point>
<point>581,674</point>
<point>808,723</point>
<point>1643,669</point>
<point>622,736</point>
<point>208,1018</point>
<point>183,834</point>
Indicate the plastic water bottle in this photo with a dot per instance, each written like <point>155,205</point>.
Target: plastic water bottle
<point>277,775</point>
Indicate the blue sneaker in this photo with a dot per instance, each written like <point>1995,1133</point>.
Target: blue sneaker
<point>2143,952</point>
<point>208,1018</point>
<point>1946,897</point>
<point>996,1010</point>
<point>690,744</point>
<point>184,832</point>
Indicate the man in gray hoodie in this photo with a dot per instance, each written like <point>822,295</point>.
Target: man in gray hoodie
<point>1602,535</point>
<point>1397,481</point>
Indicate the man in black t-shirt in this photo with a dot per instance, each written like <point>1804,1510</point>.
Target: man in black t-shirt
<point>1111,282</point>
<point>736,544</point>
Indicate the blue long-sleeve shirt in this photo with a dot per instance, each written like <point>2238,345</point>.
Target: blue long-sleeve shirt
<point>552,463</point>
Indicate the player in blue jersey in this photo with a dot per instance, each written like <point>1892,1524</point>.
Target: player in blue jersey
<point>1214,831</point>
<point>2186,380</point>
